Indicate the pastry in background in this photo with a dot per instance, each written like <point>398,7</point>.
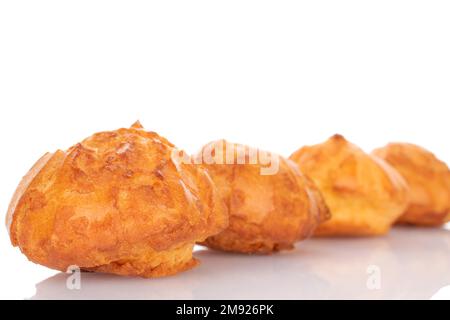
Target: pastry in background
<point>365,195</point>
<point>428,179</point>
<point>271,204</point>
<point>117,203</point>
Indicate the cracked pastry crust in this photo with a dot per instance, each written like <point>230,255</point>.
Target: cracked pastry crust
<point>365,195</point>
<point>428,179</point>
<point>267,213</point>
<point>118,202</point>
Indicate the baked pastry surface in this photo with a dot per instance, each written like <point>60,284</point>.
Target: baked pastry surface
<point>365,194</point>
<point>117,202</point>
<point>267,212</point>
<point>428,179</point>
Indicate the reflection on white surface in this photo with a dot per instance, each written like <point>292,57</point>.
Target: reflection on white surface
<point>443,294</point>
<point>413,263</point>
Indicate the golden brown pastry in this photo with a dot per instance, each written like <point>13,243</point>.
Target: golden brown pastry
<point>428,179</point>
<point>271,204</point>
<point>365,195</point>
<point>117,203</point>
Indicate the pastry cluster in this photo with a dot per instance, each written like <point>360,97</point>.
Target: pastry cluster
<point>129,202</point>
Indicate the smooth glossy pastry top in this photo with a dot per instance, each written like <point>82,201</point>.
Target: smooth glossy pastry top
<point>116,202</point>
<point>428,179</point>
<point>365,195</point>
<point>271,204</point>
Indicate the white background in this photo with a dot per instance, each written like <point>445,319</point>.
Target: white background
<point>272,74</point>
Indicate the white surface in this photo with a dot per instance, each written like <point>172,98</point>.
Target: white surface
<point>273,74</point>
<point>412,263</point>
